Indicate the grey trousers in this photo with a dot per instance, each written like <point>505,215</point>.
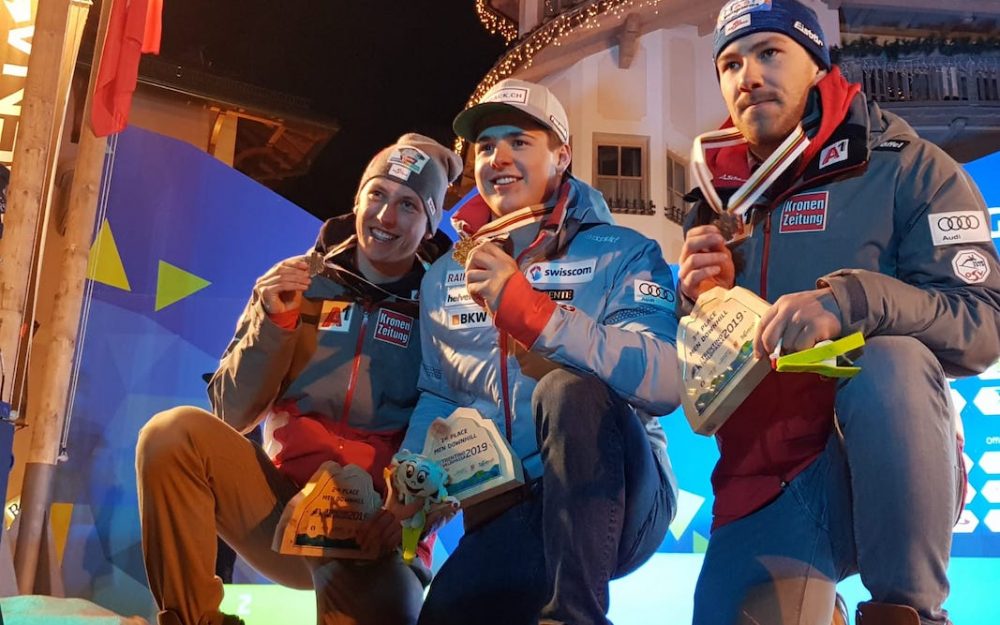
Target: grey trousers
<point>198,478</point>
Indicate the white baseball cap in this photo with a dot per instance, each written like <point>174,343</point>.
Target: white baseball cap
<point>530,98</point>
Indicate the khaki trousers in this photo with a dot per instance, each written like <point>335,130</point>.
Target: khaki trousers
<point>198,478</point>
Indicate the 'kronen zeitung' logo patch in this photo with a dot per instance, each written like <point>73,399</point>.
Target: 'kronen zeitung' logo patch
<point>805,212</point>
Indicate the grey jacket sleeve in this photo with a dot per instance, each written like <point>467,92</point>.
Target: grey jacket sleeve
<point>631,347</point>
<point>946,293</point>
<point>252,369</point>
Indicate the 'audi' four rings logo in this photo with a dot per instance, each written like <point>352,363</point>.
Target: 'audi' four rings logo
<point>961,222</point>
<point>656,290</point>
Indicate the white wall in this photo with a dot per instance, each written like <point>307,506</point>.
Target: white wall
<point>662,95</point>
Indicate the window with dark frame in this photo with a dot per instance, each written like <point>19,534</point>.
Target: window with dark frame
<point>620,172</point>
<point>676,207</point>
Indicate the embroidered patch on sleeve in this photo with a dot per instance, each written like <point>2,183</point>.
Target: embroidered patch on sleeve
<point>653,294</point>
<point>971,266</point>
<point>959,227</point>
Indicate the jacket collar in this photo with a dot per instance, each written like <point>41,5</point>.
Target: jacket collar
<point>837,124</point>
<point>578,204</point>
<point>337,243</point>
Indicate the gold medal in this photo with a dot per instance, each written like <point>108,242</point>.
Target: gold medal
<point>462,249</point>
<point>497,230</point>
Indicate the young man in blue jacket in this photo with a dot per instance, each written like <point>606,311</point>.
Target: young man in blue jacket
<point>559,327</point>
<point>858,226</point>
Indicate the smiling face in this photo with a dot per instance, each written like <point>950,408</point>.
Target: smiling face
<point>765,79</point>
<point>417,477</point>
<point>518,163</point>
<point>390,223</point>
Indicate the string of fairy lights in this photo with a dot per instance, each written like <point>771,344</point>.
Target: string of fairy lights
<point>496,23</point>
<point>552,33</point>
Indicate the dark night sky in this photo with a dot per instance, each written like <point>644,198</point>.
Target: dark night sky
<point>380,68</point>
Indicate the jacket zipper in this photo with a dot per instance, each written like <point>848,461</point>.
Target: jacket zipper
<point>770,213</point>
<point>763,258</point>
<point>349,397</point>
<point>503,386</point>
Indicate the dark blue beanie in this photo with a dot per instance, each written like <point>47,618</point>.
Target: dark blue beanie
<point>739,18</point>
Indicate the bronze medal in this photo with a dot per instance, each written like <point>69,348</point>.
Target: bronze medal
<point>316,264</point>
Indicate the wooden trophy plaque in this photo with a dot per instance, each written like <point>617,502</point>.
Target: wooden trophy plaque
<point>715,348</point>
<point>476,456</point>
<point>322,520</point>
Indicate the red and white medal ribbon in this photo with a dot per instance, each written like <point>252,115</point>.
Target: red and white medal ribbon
<point>498,227</point>
<point>761,179</point>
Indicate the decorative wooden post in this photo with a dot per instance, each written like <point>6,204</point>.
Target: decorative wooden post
<point>50,62</point>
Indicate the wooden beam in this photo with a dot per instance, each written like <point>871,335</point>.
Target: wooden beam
<point>32,162</point>
<point>628,40</point>
<point>590,41</point>
<point>46,425</point>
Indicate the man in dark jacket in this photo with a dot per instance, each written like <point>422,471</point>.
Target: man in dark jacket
<point>843,217</point>
<point>327,358</point>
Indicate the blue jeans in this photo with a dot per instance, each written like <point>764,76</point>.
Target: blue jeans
<point>880,500</point>
<point>601,509</point>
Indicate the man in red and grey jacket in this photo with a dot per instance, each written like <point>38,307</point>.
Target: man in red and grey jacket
<point>328,364</point>
<point>851,223</point>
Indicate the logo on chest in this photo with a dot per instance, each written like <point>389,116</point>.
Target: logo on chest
<point>393,328</point>
<point>469,318</point>
<point>833,154</point>
<point>335,316</point>
<point>561,272</point>
<point>805,212</point>
<point>559,295</point>
<point>457,296</point>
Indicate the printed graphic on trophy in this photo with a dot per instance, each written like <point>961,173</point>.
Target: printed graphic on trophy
<point>324,517</point>
<point>476,456</point>
<point>715,347</point>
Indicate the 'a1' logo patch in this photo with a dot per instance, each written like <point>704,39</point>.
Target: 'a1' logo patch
<point>335,316</point>
<point>805,212</point>
<point>393,327</point>
<point>833,154</point>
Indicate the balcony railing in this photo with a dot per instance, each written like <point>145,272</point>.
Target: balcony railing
<point>627,206</point>
<point>675,213</point>
<point>631,206</point>
<point>927,79</point>
<point>553,8</point>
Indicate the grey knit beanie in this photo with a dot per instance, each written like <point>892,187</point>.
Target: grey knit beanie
<point>420,163</point>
